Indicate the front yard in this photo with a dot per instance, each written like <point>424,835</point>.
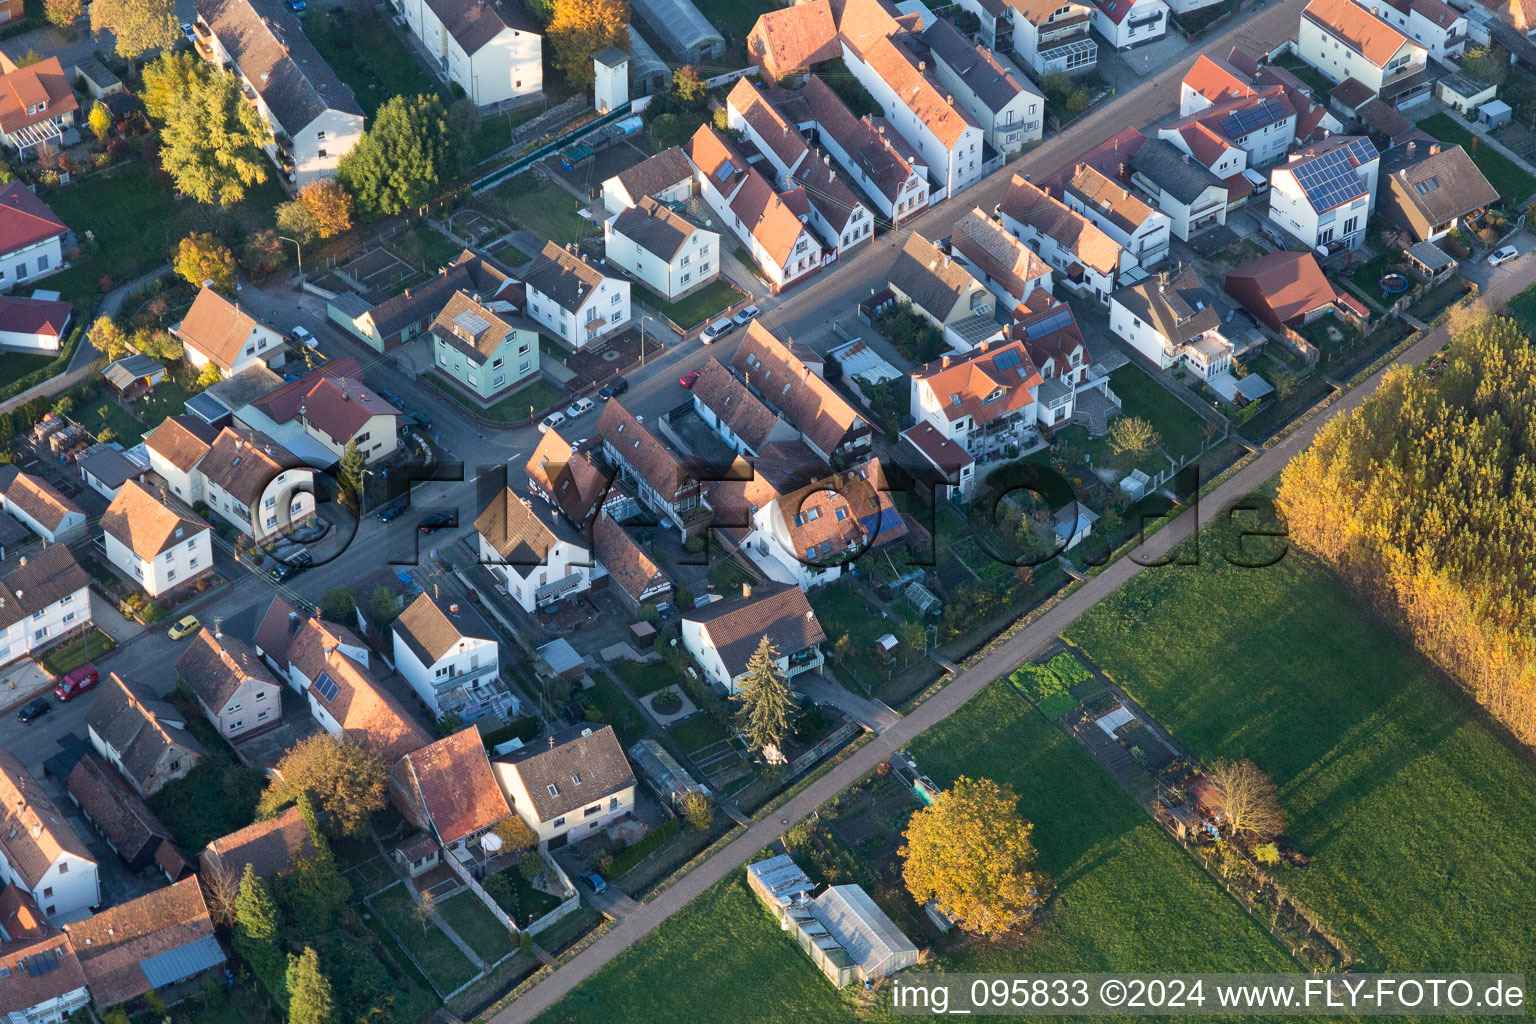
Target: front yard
<point>516,407</point>
<point>692,310</point>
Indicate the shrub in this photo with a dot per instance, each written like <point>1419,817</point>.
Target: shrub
<point>523,729</point>
<point>667,702</point>
<point>652,841</point>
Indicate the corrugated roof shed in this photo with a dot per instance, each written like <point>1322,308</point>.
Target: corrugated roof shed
<point>863,929</point>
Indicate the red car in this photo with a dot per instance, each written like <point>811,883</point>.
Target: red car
<point>689,379</point>
<point>77,682</point>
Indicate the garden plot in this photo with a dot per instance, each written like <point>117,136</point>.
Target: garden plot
<point>379,271</point>
<point>478,228</point>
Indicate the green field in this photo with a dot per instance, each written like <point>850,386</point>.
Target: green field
<point>692,310</point>
<point>1513,183</point>
<point>645,677</point>
<point>14,365</point>
<point>1127,899</point>
<point>432,950</point>
<point>547,210</point>
<point>1415,814</point>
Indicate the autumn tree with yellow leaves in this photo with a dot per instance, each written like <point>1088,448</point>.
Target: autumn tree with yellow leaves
<point>579,28</point>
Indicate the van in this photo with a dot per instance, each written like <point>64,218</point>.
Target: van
<point>77,682</point>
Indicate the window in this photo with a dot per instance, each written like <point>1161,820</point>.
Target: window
<point>234,707</point>
<point>594,809</point>
<point>576,779</point>
<point>559,822</point>
<point>237,724</point>
<point>42,262</point>
<point>175,767</point>
<point>321,152</point>
<point>613,803</point>
<point>192,563</point>
<point>63,869</point>
<point>554,790</point>
<point>49,891</point>
<point>262,695</point>
<point>319,136</point>
<point>615,300</point>
<point>261,714</point>
<point>271,521</point>
<point>170,575</point>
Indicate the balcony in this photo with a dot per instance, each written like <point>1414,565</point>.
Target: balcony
<point>555,590</point>
<point>1399,74</point>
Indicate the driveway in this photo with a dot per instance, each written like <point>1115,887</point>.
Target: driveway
<point>1484,276</point>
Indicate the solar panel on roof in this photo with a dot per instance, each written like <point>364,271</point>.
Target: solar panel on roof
<point>471,322</point>
<point>327,687</point>
<point>1003,360</point>
<point>41,964</point>
<point>1241,122</point>
<point>1330,180</point>
<point>1048,325</point>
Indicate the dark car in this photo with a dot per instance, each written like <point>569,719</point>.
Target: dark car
<point>393,510</point>
<point>392,398</point>
<point>421,420</point>
<point>36,709</point>
<point>285,572</point>
<point>439,521</point>
<point>613,389</point>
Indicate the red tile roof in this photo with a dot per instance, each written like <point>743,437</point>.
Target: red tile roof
<point>1217,80</point>
<point>1357,28</point>
<point>963,384</point>
<point>794,38</point>
<point>114,944</point>
<point>216,327</point>
<point>33,316</point>
<point>34,93</point>
<point>452,783</point>
<point>25,219</point>
<point>1029,204</point>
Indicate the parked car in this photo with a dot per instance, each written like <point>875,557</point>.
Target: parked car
<point>303,337</point>
<point>300,559</point>
<point>747,315</point>
<point>421,420</point>
<point>595,880</point>
<point>613,389</point>
<point>77,682</point>
<point>578,407</point>
<point>184,628</point>
<point>390,397</point>
<point>297,6</point>
<point>393,510</point>
<point>439,521</point>
<point>719,329</point>
<point>285,572</point>
<point>689,379</point>
<point>188,31</point>
<point>36,709</point>
<point>1503,255</point>
<point>551,421</point>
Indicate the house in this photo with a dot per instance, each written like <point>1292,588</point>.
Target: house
<point>778,374</point>
<point>1429,189</point>
<point>535,556</point>
<point>134,375</point>
<point>11,9</point>
<point>46,985</point>
<point>255,483</point>
<point>493,52</point>
<point>667,253</point>
<point>93,75</point>
<point>640,580</point>
<point>34,325</point>
<point>40,851</point>
<point>808,535</point>
<point>982,400</point>
<point>35,504</point>
<point>488,354</point>
<point>666,177</point>
<point>1288,289</point>
<point>1055,345</point>
<point>891,177</point>
<point>1011,112</point>
<point>236,691</point>
<point>317,415</point>
<point>418,854</point>
<point>1172,318</point>
<point>1084,257</point>
<point>567,481</point>
<point>451,658</point>
<point>156,941</point>
<point>1211,80</point>
<point>157,541</point>
<point>683,30</point>
<point>568,786</point>
<point>941,462</point>
<point>1046,37</point>
<point>1127,23</point>
<point>31,236</point>
<point>216,330</point>
<point>1012,270</point>
<point>739,417</point>
<point>1262,125</point>
<point>1344,39</point>
<point>791,40</point>
<point>269,847</point>
<point>574,299</point>
<point>331,667</point>
<point>314,118</point>
<point>37,108</point>
<point>1326,193</point>
<point>660,479</point>
<point>175,448</point>
<point>144,738</point>
<point>1192,196</point>
<point>46,598</point>
<point>399,319</point>
<point>943,292</point>
<point>1125,217</point>
<point>124,821</point>
<point>1464,94</point>
<point>447,788</point>
<point>105,468</point>
<point>723,636</point>
<point>1438,27</point>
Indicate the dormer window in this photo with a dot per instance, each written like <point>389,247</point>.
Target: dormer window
<point>576,779</point>
<point>553,790</point>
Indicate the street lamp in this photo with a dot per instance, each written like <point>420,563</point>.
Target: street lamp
<point>362,497</point>
<point>298,249</point>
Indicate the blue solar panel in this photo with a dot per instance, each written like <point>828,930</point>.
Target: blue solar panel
<point>1241,122</point>
<point>1331,180</point>
<point>1048,325</point>
<point>1003,360</point>
<point>327,687</point>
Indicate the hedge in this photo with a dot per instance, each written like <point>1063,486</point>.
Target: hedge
<point>523,729</point>
<point>53,369</point>
<point>653,840</point>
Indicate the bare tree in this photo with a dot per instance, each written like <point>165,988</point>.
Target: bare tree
<point>424,909</point>
<point>1132,434</point>
<point>1244,798</point>
<point>221,889</point>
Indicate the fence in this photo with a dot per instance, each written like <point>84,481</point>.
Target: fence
<point>522,163</point>
<point>476,888</point>
<point>571,903</point>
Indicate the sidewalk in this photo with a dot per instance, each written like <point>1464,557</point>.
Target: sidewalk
<point>873,715</point>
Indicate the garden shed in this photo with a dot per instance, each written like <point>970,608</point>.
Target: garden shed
<point>562,659</point>
<point>870,937</point>
<point>669,780</point>
<point>1495,114</point>
<point>682,29</point>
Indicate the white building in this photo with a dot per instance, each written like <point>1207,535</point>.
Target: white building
<point>652,470</point>
<point>1009,268</point>
<point>35,504</point>
<point>158,543</point>
<point>575,300</point>
<point>447,654</point>
<point>216,330</point>
<point>33,325</point>
<point>31,237</point>
<point>40,852</point>
<point>1085,259</point>
<point>537,557</point>
<point>493,51</point>
<point>1326,194</point>
<point>47,599</point>
<point>1127,23</point>
<point>666,177</point>
<point>175,448</point>
<point>1343,39</point>
<point>1135,226</point>
<point>984,400</point>
<point>723,636</point>
<point>1010,112</point>
<point>314,117</point>
<point>1436,26</point>
<point>1046,37</point>
<point>52,986</point>
<point>669,254</point>
<point>569,786</point>
<point>256,483</point>
<point>1186,190</point>
<point>808,536</point>
<point>1172,318</point>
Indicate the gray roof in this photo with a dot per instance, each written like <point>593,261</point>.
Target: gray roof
<point>871,938</point>
<point>1442,185</point>
<point>550,768</point>
<point>473,23</point>
<point>31,582</point>
<point>656,174</point>
<point>611,57</point>
<point>654,228</point>
<point>679,24</point>
<point>431,632</point>
<point>1177,305</point>
<point>566,278</point>
<point>140,729</point>
<point>350,303</point>
<point>779,612</point>
<point>928,277</point>
<point>182,962</point>
<point>130,368</point>
<point>993,84</point>
<point>266,40</point>
<point>99,74</point>
<point>107,463</point>
<point>1430,255</point>
<point>780,879</point>
<point>1173,171</point>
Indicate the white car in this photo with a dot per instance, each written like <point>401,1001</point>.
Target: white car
<point>747,315</point>
<point>719,329</point>
<point>578,407</point>
<point>1503,255</point>
<point>303,337</point>
<point>189,32</point>
<point>551,421</point>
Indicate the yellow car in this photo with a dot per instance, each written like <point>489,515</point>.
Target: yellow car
<point>185,628</point>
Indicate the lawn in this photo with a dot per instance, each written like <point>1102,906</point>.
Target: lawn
<point>102,412</point>
<point>477,926</point>
<point>1127,898</point>
<point>1367,277</point>
<point>547,210</point>
<point>1369,745</point>
<point>695,733</point>
<point>67,657</point>
<point>1513,183</point>
<point>368,56</point>
<point>1180,429</point>
<point>511,255</point>
<point>1321,85</point>
<point>528,903</point>
<point>727,576</point>
<point>692,310</point>
<point>840,608</point>
<point>645,677</point>
<point>1523,308</point>
<point>433,951</point>
<point>515,408</point>
<point>15,365</point>
<point>614,708</point>
<point>735,18</point>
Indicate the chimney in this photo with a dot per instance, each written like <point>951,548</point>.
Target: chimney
<point>453,609</point>
<point>922,65</point>
<point>944,361</point>
<point>1411,147</point>
<point>293,623</point>
<point>1434,148</point>
<point>746,591</point>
